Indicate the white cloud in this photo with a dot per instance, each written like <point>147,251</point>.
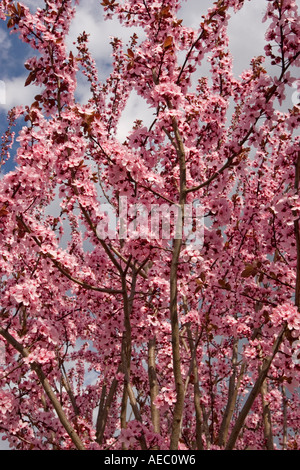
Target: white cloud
<point>192,10</point>
<point>136,108</point>
<point>246,31</point>
<point>34,4</point>
<point>5,44</point>
<point>17,94</point>
<point>89,18</point>
<point>246,40</point>
<point>247,34</point>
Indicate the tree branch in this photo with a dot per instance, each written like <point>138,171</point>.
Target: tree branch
<point>64,270</point>
<point>254,392</point>
<point>47,388</point>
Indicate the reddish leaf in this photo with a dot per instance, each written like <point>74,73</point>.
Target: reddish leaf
<point>224,284</point>
<point>20,9</point>
<point>249,271</point>
<point>168,42</point>
<point>11,23</point>
<point>31,77</point>
<point>165,12</point>
<point>3,212</point>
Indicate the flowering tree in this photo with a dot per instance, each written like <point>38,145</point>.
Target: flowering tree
<point>142,341</point>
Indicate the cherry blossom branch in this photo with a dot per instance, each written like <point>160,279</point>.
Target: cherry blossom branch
<point>268,432</point>
<point>109,250</point>
<point>64,270</point>
<point>285,425</point>
<point>233,388</point>
<point>136,412</point>
<point>47,388</point>
<point>254,392</point>
<point>297,234</point>
<point>141,271</point>
<point>188,56</point>
<point>177,244</point>
<point>193,377</point>
<point>126,349</point>
<point>103,243</point>
<point>231,160</point>
<point>158,194</point>
<point>153,384</point>
<point>147,8</point>
<point>104,408</point>
<point>194,44</point>
<point>68,388</point>
<point>226,165</point>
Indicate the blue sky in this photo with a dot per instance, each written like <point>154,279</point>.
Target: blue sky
<point>12,57</point>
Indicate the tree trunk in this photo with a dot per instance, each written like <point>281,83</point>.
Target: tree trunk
<point>153,384</point>
<point>254,393</point>
<point>267,418</point>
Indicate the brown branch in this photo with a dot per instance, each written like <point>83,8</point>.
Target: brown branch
<point>109,250</point>
<point>285,424</point>
<point>194,44</point>
<point>136,412</point>
<point>268,433</point>
<point>297,235</point>
<point>254,392</point>
<point>226,165</point>
<point>234,383</point>
<point>158,194</point>
<point>94,230</point>
<point>200,427</point>
<point>64,270</point>
<point>104,407</point>
<point>153,385</point>
<point>177,244</point>
<point>35,366</point>
<point>68,388</point>
<point>231,160</point>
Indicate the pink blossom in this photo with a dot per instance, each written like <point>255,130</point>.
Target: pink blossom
<point>6,402</point>
<point>25,293</point>
<point>138,341</point>
<point>286,313</point>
